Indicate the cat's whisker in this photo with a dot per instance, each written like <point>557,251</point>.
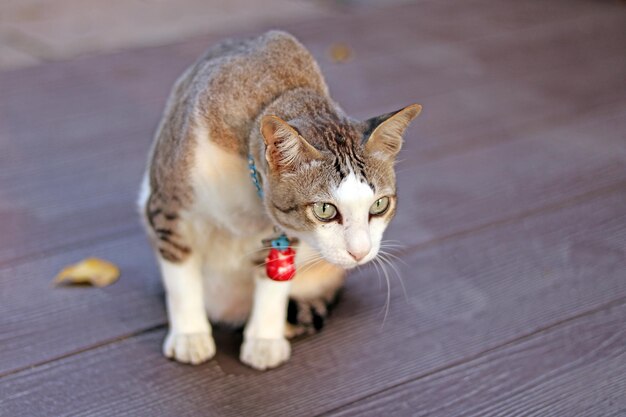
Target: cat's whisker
<point>302,261</point>
<point>264,264</point>
<point>388,300</point>
<point>391,246</point>
<point>380,282</point>
<point>309,264</point>
<point>311,258</point>
<point>393,256</point>
<point>250,254</point>
<point>397,272</point>
<point>309,267</point>
<point>261,265</point>
<point>394,242</point>
<point>389,251</point>
<point>392,251</point>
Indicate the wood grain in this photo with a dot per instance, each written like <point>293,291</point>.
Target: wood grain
<point>467,191</point>
<point>576,368</point>
<point>463,297</point>
<point>40,322</point>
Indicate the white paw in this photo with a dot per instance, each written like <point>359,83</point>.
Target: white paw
<point>193,348</point>
<point>264,354</point>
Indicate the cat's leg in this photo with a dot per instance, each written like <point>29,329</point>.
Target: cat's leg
<point>189,339</point>
<point>265,345</point>
<point>315,290</point>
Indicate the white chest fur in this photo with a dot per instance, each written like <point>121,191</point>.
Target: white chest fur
<point>227,222</point>
<point>223,189</point>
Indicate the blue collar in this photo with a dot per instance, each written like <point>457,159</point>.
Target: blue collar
<point>254,174</point>
<point>282,242</point>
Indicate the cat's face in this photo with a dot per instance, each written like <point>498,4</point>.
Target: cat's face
<point>332,184</point>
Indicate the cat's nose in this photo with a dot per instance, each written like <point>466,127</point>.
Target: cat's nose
<point>359,254</point>
<point>358,243</point>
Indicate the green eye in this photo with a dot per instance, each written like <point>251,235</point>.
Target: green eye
<point>324,211</point>
<point>379,206</point>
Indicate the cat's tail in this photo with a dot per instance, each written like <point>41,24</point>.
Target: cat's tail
<point>305,317</point>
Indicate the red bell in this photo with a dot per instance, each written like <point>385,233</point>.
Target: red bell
<point>280,264</point>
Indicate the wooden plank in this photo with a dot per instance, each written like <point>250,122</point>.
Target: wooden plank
<point>463,297</point>
<point>577,368</point>
<point>446,20</point>
<point>467,191</point>
<point>40,322</point>
<point>432,67</point>
<point>494,113</point>
<point>50,208</point>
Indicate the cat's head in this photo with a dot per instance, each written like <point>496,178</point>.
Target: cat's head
<point>331,181</point>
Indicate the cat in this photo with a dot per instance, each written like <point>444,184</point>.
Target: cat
<point>327,180</point>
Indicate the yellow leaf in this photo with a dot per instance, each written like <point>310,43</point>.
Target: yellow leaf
<point>92,271</point>
<point>340,52</point>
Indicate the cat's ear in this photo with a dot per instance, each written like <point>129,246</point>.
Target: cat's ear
<point>285,148</point>
<point>383,134</point>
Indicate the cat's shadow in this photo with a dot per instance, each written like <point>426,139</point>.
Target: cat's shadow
<point>228,339</point>
<point>228,342</point>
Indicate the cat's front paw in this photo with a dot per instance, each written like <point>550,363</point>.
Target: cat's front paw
<point>193,348</point>
<point>264,354</point>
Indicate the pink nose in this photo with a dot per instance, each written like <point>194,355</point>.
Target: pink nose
<point>358,255</point>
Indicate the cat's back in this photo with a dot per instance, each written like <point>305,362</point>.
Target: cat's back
<point>232,83</point>
<point>214,104</point>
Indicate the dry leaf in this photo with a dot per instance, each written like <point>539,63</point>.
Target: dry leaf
<point>92,271</point>
<point>340,52</point>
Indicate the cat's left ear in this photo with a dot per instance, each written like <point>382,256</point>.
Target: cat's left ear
<point>383,134</point>
<point>285,148</point>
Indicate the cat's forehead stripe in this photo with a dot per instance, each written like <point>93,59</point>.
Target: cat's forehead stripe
<point>339,140</point>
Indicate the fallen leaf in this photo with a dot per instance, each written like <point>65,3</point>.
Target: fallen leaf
<point>340,52</point>
<point>92,271</point>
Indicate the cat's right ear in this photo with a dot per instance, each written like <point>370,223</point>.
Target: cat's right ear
<point>285,148</point>
<point>383,134</point>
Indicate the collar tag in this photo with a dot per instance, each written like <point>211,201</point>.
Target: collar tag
<point>280,263</point>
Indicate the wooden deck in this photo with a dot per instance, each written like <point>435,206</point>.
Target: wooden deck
<point>512,217</point>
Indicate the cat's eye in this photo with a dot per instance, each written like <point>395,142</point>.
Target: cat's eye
<point>380,206</point>
<point>324,211</point>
